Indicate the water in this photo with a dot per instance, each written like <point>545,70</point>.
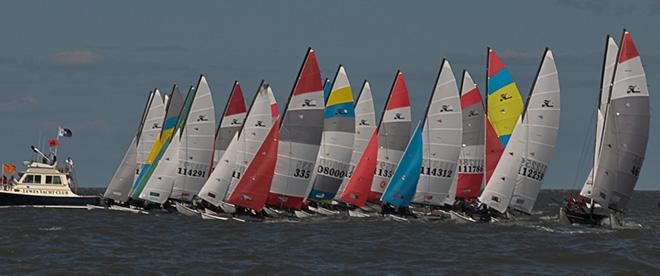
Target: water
<point>98,241</point>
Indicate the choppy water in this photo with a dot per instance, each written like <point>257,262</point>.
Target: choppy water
<point>99,241</point>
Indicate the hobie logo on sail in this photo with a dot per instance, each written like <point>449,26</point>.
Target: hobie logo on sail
<point>364,122</point>
<point>155,126</point>
<point>398,116</point>
<point>631,89</point>
<point>446,108</point>
<point>246,197</point>
<point>235,122</point>
<point>547,103</point>
<point>202,118</point>
<point>309,103</point>
<point>505,97</point>
<point>473,113</point>
<point>259,124</point>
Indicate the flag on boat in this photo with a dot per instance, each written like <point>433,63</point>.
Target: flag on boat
<point>64,132</point>
<point>53,142</point>
<point>8,169</point>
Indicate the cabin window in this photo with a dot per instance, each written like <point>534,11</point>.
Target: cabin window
<point>37,179</point>
<point>28,179</point>
<point>50,179</point>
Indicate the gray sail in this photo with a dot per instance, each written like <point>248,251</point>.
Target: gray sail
<point>121,182</point>
<point>393,136</point>
<point>626,131</point>
<point>300,137</point>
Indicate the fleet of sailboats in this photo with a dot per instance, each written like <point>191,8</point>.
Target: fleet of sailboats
<point>467,159</point>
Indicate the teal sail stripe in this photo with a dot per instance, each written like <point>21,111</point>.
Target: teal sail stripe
<point>403,185</point>
<point>327,88</point>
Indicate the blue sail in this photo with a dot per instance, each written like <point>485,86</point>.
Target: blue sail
<point>402,187</point>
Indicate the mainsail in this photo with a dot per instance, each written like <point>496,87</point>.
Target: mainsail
<point>442,135</point>
<point>300,137</point>
<point>174,106</point>
<point>626,130</point>
<point>539,129</point>
<point>365,124</point>
<point>120,185</point>
<point>243,147</point>
<point>609,62</point>
<point>358,187</point>
<point>197,137</point>
<point>401,189</point>
<point>504,106</point>
<point>231,122</point>
<point>530,147</point>
<point>333,160</point>
<point>150,129</point>
<point>471,158</point>
<point>393,135</point>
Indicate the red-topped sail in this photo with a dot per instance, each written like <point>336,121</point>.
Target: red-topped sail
<point>628,49</point>
<point>252,190</point>
<point>358,186</point>
<point>236,103</point>
<point>310,76</point>
<point>399,97</point>
<point>495,64</point>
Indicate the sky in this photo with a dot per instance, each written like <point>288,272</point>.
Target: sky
<point>89,65</point>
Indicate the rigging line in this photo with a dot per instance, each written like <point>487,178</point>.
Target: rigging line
<point>585,149</point>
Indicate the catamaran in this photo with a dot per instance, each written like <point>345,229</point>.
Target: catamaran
<point>333,160</point>
<point>518,176</point>
<point>231,122</point>
<point>442,135</point>
<point>622,133</point>
<point>300,138</point>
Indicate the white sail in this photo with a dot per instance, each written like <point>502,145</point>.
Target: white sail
<point>241,149</point>
<point>531,145</point>
<point>538,134</point>
<point>626,131</point>
<point>151,128</point>
<point>332,162</point>
<point>442,136</point>
<point>159,186</point>
<point>231,122</point>
<point>197,140</point>
<point>365,123</point>
<point>611,51</point>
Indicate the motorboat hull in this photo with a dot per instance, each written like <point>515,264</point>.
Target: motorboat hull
<point>14,199</point>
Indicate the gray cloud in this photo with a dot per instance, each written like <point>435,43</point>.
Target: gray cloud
<point>74,57</point>
<point>17,104</point>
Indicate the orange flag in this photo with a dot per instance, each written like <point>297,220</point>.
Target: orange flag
<point>8,169</point>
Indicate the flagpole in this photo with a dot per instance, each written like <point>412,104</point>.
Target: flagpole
<point>58,141</point>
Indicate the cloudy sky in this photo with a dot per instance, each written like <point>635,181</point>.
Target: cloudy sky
<point>89,66</point>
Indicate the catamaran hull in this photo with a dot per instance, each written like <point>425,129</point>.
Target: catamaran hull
<point>12,199</point>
